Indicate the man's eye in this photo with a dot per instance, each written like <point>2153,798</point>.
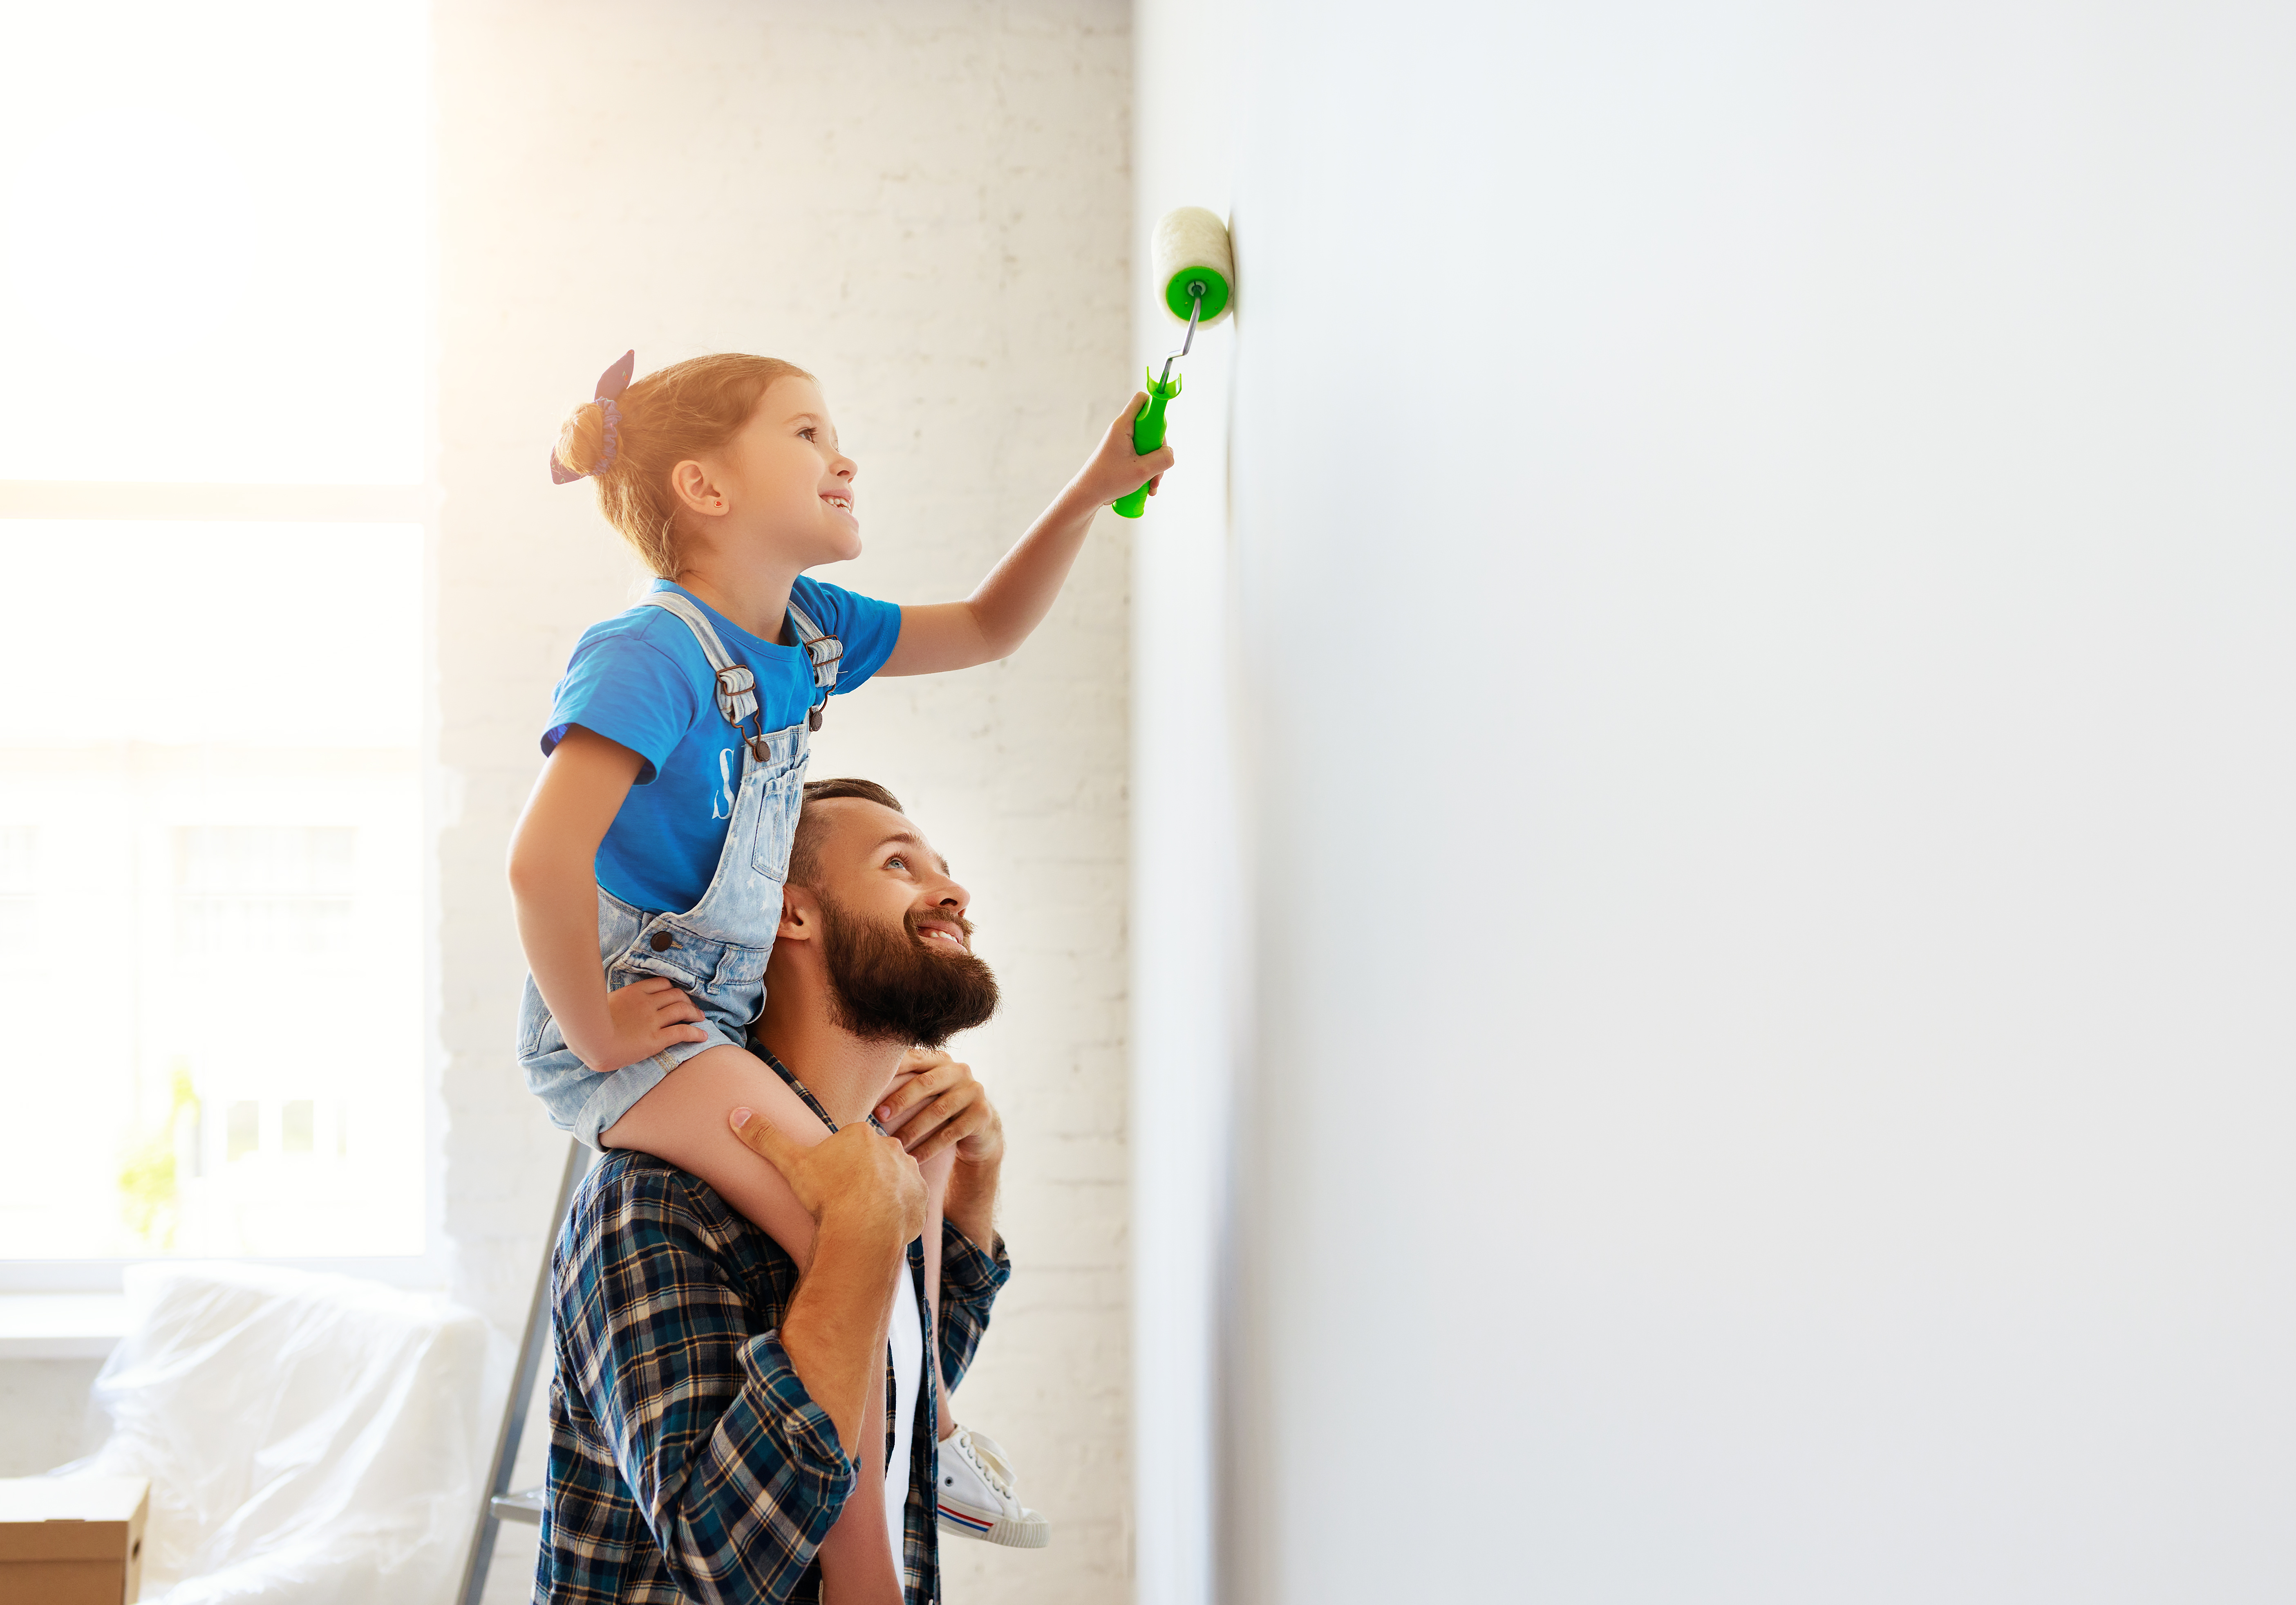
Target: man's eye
<point>897,860</point>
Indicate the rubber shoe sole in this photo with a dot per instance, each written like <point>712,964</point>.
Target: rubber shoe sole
<point>1027,1531</point>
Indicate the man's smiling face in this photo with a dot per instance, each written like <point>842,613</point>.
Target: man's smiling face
<point>876,863</point>
<point>898,945</point>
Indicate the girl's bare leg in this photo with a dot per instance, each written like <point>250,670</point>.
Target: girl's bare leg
<point>682,1120</point>
<point>936,1170</point>
<point>857,1556</point>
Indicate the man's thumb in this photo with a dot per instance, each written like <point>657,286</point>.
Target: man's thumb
<point>761,1136</point>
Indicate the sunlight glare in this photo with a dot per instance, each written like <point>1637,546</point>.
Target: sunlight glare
<point>210,219</point>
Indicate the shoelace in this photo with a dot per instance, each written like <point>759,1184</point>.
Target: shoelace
<point>982,1463</point>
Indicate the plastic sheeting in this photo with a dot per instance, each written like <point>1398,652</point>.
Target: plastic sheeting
<point>308,1439</point>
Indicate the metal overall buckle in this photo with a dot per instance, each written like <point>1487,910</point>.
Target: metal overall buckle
<point>736,682</point>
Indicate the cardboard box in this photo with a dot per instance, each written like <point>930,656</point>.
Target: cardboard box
<point>73,1540</point>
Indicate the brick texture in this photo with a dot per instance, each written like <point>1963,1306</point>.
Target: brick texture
<point>928,205</point>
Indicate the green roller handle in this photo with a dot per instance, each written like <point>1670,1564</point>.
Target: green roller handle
<point>1147,436</point>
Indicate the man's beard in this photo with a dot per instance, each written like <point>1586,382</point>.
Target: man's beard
<point>889,983</point>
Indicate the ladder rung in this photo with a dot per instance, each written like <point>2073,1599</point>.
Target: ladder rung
<point>525,1505</point>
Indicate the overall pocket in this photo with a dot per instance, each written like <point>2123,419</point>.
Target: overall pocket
<point>685,964</point>
<point>538,1032</point>
<point>780,798</point>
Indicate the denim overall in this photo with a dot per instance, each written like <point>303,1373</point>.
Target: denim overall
<point>715,952</point>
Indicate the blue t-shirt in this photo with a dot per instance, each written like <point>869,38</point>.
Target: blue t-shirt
<point>640,678</point>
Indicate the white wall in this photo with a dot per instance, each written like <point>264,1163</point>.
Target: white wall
<point>1761,561</point>
<point>928,205</point>
<point>44,1406</point>
<point>1189,978</point>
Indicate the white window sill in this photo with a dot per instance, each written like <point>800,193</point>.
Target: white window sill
<point>420,1273</point>
<point>88,1325</point>
<point>61,1326</point>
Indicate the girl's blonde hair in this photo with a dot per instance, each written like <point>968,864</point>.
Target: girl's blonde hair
<point>687,409</point>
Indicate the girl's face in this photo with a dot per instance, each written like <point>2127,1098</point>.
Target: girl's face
<point>779,491</point>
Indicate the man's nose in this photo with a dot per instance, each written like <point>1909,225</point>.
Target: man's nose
<point>953,898</point>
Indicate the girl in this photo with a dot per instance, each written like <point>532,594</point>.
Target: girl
<point>647,867</point>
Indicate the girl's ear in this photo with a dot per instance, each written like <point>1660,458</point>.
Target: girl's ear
<point>696,491</point>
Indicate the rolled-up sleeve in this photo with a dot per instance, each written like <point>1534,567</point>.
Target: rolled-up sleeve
<point>735,1470</point>
<point>970,1276</point>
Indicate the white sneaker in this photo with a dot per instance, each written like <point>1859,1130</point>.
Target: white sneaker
<point>978,1498</point>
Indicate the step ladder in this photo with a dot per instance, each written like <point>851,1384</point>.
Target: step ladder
<point>526,1504</point>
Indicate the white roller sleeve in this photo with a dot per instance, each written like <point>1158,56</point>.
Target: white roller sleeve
<point>1189,236</point>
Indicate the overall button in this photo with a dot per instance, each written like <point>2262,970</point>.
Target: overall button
<point>661,941</point>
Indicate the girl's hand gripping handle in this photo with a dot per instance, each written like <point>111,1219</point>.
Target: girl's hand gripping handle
<point>1147,436</point>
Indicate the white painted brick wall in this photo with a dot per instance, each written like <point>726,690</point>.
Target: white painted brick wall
<point>928,203</point>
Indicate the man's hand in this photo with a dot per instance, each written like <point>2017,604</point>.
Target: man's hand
<point>867,1200</point>
<point>645,1018</point>
<point>936,1105</point>
<point>858,1181</point>
<point>1114,469</point>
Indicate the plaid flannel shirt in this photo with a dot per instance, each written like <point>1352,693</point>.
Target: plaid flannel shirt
<point>687,1460</point>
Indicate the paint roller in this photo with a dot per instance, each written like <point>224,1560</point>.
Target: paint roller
<point>1196,266</point>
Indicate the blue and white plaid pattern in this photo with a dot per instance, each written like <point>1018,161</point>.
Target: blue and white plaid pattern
<point>687,1461</point>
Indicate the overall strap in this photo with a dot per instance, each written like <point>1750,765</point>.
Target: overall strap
<point>824,650</point>
<point>737,688</point>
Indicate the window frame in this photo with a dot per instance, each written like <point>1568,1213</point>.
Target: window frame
<point>402,504</point>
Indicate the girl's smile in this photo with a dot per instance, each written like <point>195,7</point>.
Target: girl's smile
<point>777,497</point>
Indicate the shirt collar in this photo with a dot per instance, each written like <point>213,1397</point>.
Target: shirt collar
<point>797,1086</point>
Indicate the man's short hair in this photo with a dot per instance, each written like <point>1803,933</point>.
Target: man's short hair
<point>806,846</point>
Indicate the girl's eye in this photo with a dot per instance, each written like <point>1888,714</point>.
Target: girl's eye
<point>807,433</point>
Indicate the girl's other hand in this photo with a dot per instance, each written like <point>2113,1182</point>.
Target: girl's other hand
<point>1115,469</point>
<point>646,1016</point>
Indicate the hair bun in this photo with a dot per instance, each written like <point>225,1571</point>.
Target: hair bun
<point>582,439</point>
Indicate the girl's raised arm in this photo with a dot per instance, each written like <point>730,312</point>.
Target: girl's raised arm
<point>1006,607</point>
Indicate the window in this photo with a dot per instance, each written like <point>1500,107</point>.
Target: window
<point>213,245</point>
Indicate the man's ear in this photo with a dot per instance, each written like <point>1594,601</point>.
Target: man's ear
<point>801,915</point>
<point>697,489</point>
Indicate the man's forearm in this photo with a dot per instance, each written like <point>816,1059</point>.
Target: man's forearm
<point>970,1203</point>
<point>837,1326</point>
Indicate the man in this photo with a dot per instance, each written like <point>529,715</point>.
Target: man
<point>709,1402</point>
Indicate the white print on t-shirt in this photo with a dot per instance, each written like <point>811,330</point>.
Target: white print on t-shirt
<point>721,806</point>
